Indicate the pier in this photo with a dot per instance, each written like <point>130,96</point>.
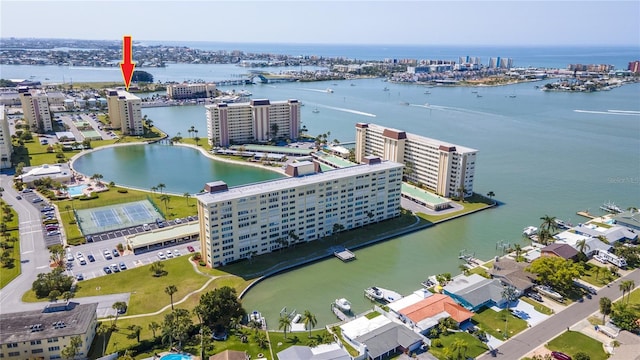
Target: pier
<point>339,314</point>
<point>585,214</point>
<point>345,255</point>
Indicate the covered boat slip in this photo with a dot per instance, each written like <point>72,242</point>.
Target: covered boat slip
<point>161,238</point>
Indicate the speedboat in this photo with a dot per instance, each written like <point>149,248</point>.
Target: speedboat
<point>375,293</point>
<point>330,90</point>
<point>530,230</point>
<point>256,317</point>
<point>343,304</point>
<point>315,111</point>
<point>611,207</point>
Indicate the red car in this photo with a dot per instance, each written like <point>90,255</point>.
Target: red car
<point>190,248</point>
<point>560,356</point>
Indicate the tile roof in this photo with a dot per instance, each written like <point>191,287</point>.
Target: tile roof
<point>435,305</point>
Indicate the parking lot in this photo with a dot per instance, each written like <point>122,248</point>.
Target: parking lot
<point>51,236</point>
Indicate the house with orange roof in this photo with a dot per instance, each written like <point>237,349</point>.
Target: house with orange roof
<point>425,313</point>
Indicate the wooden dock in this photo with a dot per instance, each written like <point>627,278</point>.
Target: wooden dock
<point>345,255</point>
<point>339,314</point>
<point>585,214</point>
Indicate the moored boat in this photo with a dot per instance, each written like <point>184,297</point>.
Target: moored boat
<point>256,317</point>
<point>343,304</point>
<point>530,230</point>
<point>374,293</point>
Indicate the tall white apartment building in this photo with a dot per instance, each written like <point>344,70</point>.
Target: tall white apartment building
<point>5,140</point>
<point>35,106</point>
<point>440,166</point>
<point>191,91</point>
<point>253,121</point>
<point>125,112</point>
<point>243,221</point>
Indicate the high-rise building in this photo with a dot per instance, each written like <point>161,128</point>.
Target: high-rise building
<point>255,121</point>
<point>35,106</point>
<point>43,334</point>
<point>5,140</point>
<point>439,166</point>
<point>634,67</point>
<point>243,221</point>
<point>125,112</point>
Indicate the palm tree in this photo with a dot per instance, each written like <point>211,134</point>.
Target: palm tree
<point>626,287</point>
<point>154,326</point>
<point>509,295</point>
<point>157,268</point>
<point>199,311</point>
<point>191,129</point>
<point>274,130</point>
<point>102,331</point>
<point>549,224</point>
<point>187,196</point>
<point>460,346</point>
<point>165,199</point>
<point>605,307</point>
<point>68,207</point>
<point>120,307</point>
<point>309,320</point>
<point>170,290</point>
<point>519,251</point>
<point>154,189</point>
<point>461,191</point>
<point>284,323</point>
<point>161,186</point>
<point>135,331</point>
<point>196,139</point>
<point>581,245</point>
<point>491,194</point>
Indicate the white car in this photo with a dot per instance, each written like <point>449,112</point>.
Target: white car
<point>146,227</point>
<point>169,254</point>
<point>161,255</point>
<point>178,221</point>
<point>79,255</point>
<point>176,253</point>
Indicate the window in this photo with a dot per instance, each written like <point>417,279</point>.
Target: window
<point>36,342</point>
<point>12,345</point>
<point>36,351</point>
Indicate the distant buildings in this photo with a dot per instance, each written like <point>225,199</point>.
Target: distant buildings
<point>634,67</point>
<point>35,106</point>
<point>439,166</point>
<point>125,112</point>
<point>255,121</point>
<point>597,68</point>
<point>500,63</point>
<point>191,91</point>
<point>5,140</point>
<point>42,334</point>
<point>243,221</point>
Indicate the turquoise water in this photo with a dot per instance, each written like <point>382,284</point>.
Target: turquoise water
<point>76,190</point>
<point>176,357</point>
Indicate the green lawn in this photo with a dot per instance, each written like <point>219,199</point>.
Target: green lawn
<point>281,259</point>
<point>142,285</point>
<point>33,153</point>
<point>480,271</point>
<point>590,275</point>
<point>475,347</point>
<point>572,342</point>
<point>494,323</point>
<point>7,274</point>
<point>537,306</point>
<point>473,203</point>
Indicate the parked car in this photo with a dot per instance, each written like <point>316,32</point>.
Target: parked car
<point>53,233</point>
<point>91,258</point>
<point>36,200</point>
<point>24,191</point>
<point>190,248</point>
<point>79,255</point>
<point>107,255</point>
<point>146,227</point>
<point>535,296</point>
<point>178,221</point>
<point>176,253</point>
<point>560,356</point>
<point>169,254</point>
<point>116,253</point>
<point>114,268</point>
<point>82,261</point>
<point>161,255</point>
<point>69,256</point>
<point>79,277</point>
<point>19,197</point>
<point>122,266</point>
<point>106,270</point>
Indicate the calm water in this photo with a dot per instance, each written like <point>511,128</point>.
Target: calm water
<point>181,169</point>
<point>541,153</point>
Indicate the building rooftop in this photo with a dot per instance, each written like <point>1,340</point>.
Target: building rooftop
<point>288,183</point>
<point>388,338</point>
<point>320,352</point>
<point>564,251</point>
<point>423,139</point>
<point>167,233</point>
<point>25,326</point>
<point>122,94</point>
<point>435,305</point>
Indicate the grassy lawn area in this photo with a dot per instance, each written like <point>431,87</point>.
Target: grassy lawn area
<point>573,342</point>
<point>33,153</point>
<point>480,271</point>
<point>475,347</point>
<point>494,323</point>
<point>473,203</point>
<point>142,285</point>
<point>537,306</point>
<point>282,259</point>
<point>590,271</point>
<point>7,274</point>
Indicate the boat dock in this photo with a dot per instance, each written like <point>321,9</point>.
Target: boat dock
<point>339,314</point>
<point>390,295</point>
<point>345,255</point>
<point>585,214</point>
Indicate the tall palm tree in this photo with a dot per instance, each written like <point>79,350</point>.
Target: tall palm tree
<point>626,287</point>
<point>68,207</point>
<point>199,311</point>
<point>509,295</point>
<point>187,196</point>
<point>103,330</point>
<point>161,186</point>
<point>491,194</point>
<point>165,199</point>
<point>154,326</point>
<point>549,224</point>
<point>605,307</point>
<point>154,189</point>
<point>460,346</point>
<point>461,191</point>
<point>284,323</point>
<point>581,245</point>
<point>309,320</point>
<point>119,306</point>
<point>170,290</point>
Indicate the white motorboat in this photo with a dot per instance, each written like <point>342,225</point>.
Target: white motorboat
<point>256,317</point>
<point>530,230</point>
<point>343,304</point>
<point>374,293</point>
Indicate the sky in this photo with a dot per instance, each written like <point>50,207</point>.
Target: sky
<point>425,22</point>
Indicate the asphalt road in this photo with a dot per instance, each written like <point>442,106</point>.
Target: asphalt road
<point>528,340</point>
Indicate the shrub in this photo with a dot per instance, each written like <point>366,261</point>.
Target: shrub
<point>202,263</point>
<point>123,191</point>
<point>62,161</point>
<point>196,256</point>
<point>91,197</point>
<point>582,356</point>
<point>436,343</point>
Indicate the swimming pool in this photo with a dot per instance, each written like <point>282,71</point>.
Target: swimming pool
<point>76,190</point>
<point>176,357</point>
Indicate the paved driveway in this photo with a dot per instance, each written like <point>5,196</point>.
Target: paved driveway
<point>526,312</point>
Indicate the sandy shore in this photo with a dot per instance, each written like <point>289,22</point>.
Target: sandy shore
<point>230,161</point>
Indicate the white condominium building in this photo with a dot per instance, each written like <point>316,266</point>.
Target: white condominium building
<point>440,166</point>
<point>243,221</point>
<point>190,91</point>
<point>255,121</point>
<point>35,106</point>
<point>5,140</point>
<point>125,112</point>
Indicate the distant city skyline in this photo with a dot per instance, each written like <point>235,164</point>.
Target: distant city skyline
<point>510,23</point>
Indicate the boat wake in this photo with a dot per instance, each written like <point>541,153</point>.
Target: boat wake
<point>316,90</point>
<point>611,112</point>
<point>351,111</point>
<point>450,108</point>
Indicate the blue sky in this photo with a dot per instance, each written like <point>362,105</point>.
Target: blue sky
<point>331,22</point>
